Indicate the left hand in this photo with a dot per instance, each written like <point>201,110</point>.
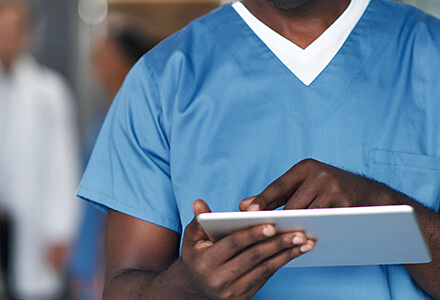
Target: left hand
<point>312,184</point>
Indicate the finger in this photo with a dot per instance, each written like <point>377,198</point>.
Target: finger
<point>252,281</point>
<point>279,192</point>
<point>236,242</point>
<point>328,202</point>
<point>325,199</point>
<point>312,193</point>
<point>321,201</point>
<point>254,255</point>
<point>303,196</point>
<point>244,204</point>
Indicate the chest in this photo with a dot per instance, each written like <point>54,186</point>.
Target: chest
<point>229,143</point>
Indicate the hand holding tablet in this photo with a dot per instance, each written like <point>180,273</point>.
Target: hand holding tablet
<point>238,264</point>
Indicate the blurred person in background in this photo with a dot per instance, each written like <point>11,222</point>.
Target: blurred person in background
<point>38,161</point>
<point>119,45</point>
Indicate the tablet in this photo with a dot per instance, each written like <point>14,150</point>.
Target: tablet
<point>371,235</point>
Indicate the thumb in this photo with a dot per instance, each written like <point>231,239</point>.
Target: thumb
<point>199,207</point>
<point>195,230</point>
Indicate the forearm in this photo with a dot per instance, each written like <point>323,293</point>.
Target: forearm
<point>426,275</point>
<point>172,283</point>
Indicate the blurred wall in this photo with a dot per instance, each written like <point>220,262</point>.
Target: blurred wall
<point>55,40</point>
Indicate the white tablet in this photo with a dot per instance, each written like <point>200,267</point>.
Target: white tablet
<point>371,235</point>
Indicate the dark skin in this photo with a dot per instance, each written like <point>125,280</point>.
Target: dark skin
<point>142,259</point>
<point>312,184</point>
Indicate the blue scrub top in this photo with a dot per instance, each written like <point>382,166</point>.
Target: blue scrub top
<point>212,113</point>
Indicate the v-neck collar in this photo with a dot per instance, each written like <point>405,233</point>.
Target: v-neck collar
<point>316,100</point>
<point>307,63</point>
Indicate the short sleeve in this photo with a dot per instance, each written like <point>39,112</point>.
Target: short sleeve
<point>129,170</point>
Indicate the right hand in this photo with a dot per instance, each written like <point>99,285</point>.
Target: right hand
<point>237,266</point>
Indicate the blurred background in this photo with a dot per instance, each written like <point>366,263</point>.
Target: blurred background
<point>62,61</point>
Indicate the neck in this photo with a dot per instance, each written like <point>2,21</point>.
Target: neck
<point>301,25</point>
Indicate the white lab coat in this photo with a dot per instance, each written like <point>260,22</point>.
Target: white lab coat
<point>38,172</point>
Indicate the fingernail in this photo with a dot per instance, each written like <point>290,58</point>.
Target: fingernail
<point>269,231</point>
<point>247,200</point>
<point>305,248</point>
<point>253,207</point>
<point>297,240</point>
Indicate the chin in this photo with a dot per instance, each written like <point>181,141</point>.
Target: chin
<point>289,4</point>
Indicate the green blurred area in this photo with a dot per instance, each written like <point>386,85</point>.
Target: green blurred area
<point>430,6</point>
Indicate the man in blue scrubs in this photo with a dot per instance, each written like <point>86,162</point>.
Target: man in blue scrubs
<point>219,111</point>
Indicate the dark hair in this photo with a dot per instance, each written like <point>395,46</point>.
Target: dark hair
<point>133,43</point>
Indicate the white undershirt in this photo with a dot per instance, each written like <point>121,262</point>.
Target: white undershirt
<point>307,63</point>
